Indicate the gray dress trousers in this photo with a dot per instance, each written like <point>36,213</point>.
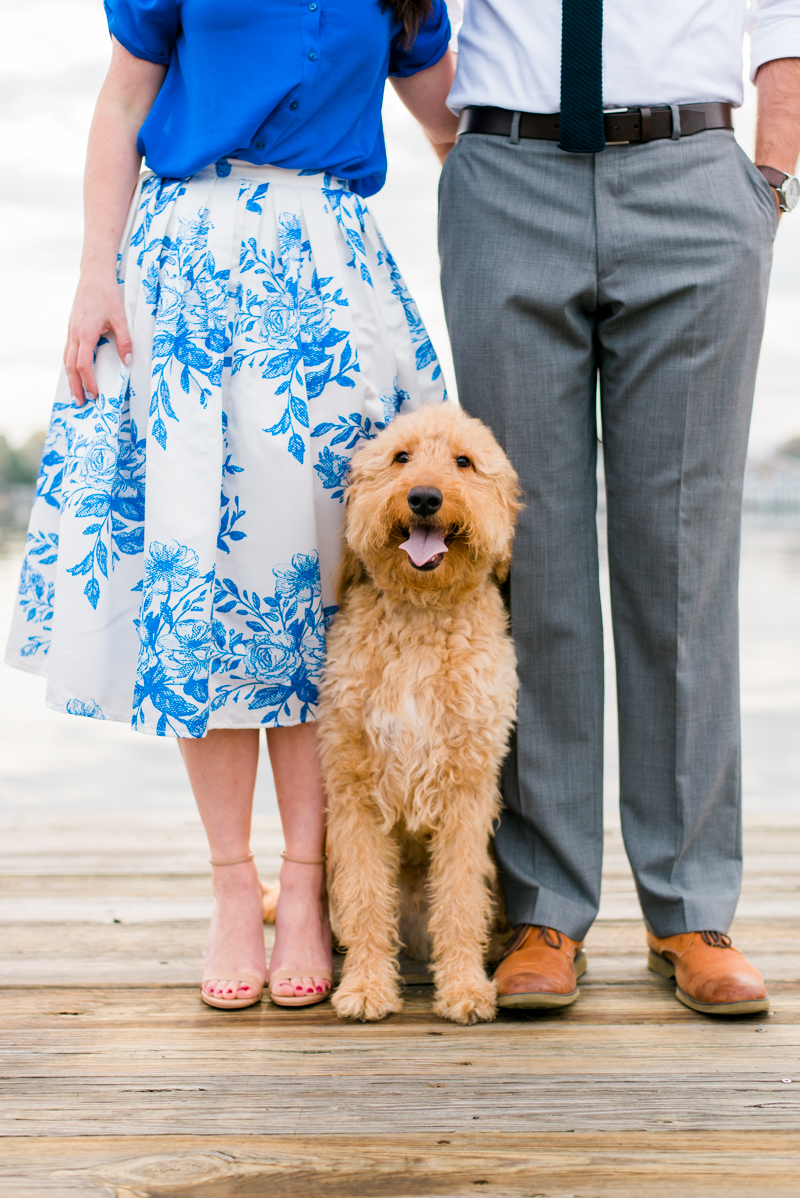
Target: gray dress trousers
<point>645,265</point>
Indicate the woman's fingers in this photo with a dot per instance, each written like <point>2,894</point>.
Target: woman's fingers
<point>84,365</point>
<point>70,365</point>
<point>79,361</point>
<point>98,310</point>
<point>119,326</point>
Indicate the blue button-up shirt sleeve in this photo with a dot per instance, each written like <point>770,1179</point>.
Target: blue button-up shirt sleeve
<point>433,38</point>
<point>146,28</point>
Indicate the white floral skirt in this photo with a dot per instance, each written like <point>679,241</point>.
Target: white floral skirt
<point>180,564</point>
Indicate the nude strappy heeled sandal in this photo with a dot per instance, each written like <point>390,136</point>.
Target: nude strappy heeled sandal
<point>250,979</point>
<point>285,975</point>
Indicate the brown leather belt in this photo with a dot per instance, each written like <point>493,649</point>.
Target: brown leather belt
<point>622,127</point>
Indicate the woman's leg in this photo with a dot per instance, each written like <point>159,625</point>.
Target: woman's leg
<point>222,771</point>
<point>302,930</point>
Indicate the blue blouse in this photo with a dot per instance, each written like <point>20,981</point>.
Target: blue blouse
<point>292,83</point>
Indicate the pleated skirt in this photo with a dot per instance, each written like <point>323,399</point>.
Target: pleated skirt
<point>180,565</point>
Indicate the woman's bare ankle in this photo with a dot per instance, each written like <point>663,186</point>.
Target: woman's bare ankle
<point>227,879</point>
<point>296,885</point>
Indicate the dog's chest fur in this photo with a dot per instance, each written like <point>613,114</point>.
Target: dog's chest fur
<point>428,693</point>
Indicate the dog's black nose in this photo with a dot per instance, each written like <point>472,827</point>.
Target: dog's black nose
<point>425,501</point>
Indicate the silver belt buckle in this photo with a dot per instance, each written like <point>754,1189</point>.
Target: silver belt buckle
<point>610,112</point>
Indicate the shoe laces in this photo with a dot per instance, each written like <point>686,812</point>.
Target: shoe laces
<point>522,930</point>
<point>546,934</point>
<point>716,939</point>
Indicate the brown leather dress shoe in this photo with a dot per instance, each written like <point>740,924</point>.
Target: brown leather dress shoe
<point>713,977</point>
<point>540,967</point>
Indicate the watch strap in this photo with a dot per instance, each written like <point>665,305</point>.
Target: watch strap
<point>775,178</point>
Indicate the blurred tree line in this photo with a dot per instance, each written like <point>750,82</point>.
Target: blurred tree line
<point>20,467</point>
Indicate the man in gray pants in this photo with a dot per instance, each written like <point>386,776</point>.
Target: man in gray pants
<point>633,245</point>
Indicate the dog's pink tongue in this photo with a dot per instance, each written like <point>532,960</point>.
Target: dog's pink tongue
<point>423,544</point>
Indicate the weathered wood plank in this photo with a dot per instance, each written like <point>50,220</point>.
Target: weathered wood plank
<point>141,898</point>
<point>649,1001</point>
<point>54,887</point>
<point>118,860</point>
<point>169,952</point>
<point>269,1043</point>
<point>152,846</point>
<point>551,1165</point>
<point>220,1104</point>
<point>108,908</point>
<point>150,1059</point>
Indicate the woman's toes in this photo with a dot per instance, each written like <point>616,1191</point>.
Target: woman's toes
<point>321,985</point>
<point>229,988</point>
<point>299,986</point>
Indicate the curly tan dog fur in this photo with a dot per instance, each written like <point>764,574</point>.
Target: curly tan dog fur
<point>417,704</point>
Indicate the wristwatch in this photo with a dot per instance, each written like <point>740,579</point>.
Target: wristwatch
<point>787,187</point>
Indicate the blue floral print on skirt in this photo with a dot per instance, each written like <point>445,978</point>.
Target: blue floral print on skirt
<point>183,545</point>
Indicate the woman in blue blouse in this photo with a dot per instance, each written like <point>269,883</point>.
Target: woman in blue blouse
<point>220,370</point>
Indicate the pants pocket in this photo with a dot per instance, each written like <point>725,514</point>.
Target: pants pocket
<point>760,189</point>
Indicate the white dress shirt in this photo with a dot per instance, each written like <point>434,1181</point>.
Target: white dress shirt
<point>654,51</point>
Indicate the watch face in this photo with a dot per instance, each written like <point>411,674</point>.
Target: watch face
<point>791,193</point>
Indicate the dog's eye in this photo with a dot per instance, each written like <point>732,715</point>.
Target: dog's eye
<point>463,461</point>
<point>402,457</point>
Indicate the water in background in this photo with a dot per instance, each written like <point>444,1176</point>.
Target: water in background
<point>54,55</point>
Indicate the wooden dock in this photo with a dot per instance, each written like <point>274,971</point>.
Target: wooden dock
<point>117,1081</point>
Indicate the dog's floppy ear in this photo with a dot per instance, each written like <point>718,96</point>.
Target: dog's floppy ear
<point>351,572</point>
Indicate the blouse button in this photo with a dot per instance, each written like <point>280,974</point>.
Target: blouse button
<point>294,105</point>
<point>259,145</point>
<point>312,54</point>
<point>312,8</point>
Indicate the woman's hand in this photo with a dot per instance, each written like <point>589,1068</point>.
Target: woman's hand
<point>96,310</point>
<point>112,168</point>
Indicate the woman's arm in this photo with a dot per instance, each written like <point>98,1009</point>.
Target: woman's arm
<point>425,95</point>
<point>112,168</point>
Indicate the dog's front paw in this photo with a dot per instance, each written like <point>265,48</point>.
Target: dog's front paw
<point>366,1000</point>
<point>473,1001</point>
<point>269,901</point>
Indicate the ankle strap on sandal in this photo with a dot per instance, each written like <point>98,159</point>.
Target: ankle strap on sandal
<point>305,860</point>
<point>233,860</point>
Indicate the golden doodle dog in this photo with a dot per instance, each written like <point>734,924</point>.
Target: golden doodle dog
<point>417,705</point>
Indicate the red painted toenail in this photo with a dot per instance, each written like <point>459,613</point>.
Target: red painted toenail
<point>319,990</point>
